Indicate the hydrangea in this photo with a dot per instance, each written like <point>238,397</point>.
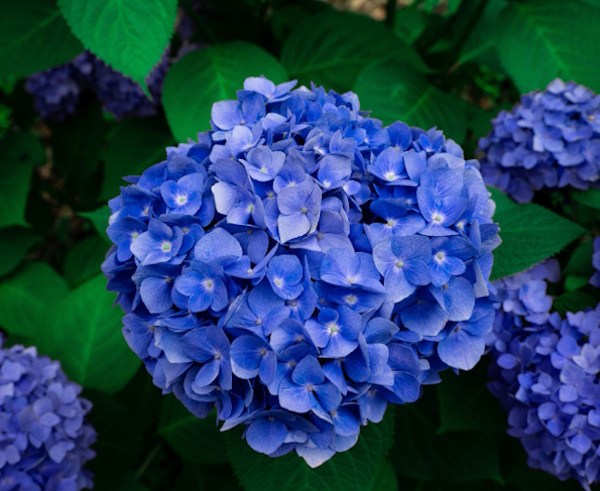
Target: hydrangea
<point>595,279</point>
<point>44,437</point>
<point>546,376</point>
<point>57,92</point>
<point>550,139</point>
<point>522,300</point>
<point>301,266</point>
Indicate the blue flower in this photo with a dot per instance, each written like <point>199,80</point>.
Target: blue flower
<point>545,376</point>
<point>300,266</point>
<point>46,439</point>
<point>404,264</point>
<point>595,279</point>
<point>549,140</point>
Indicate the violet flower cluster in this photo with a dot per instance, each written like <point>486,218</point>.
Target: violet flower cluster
<point>546,376</point>
<point>595,279</point>
<point>551,139</point>
<point>58,91</point>
<point>300,266</point>
<point>44,437</point>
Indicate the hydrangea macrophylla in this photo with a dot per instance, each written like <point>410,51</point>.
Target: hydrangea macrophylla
<point>301,266</point>
<point>45,440</point>
<point>546,376</point>
<point>595,279</point>
<point>57,91</point>
<point>550,139</point>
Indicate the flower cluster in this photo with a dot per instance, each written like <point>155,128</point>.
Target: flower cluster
<point>595,279</point>
<point>550,139</point>
<point>57,92</point>
<point>522,300</point>
<point>547,378</point>
<point>44,438</point>
<point>301,266</point>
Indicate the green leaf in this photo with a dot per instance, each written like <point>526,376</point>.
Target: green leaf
<point>129,35</point>
<point>99,219</point>
<point>20,153</point>
<point>209,75</point>
<point>332,49</point>
<point>33,37</point>
<point>394,92</point>
<point>354,469</point>
<point>575,282</point>
<point>386,478</point>
<point>410,23</point>
<point>133,146</point>
<point>580,261</point>
<point>25,299</point>
<point>131,483</point>
<point>15,242</point>
<point>457,456</point>
<point>577,300</point>
<point>546,47</point>
<point>590,198</point>
<point>530,233</point>
<point>481,45</point>
<point>467,404</point>
<point>502,200</point>
<point>83,260</point>
<point>89,342</point>
<point>193,439</point>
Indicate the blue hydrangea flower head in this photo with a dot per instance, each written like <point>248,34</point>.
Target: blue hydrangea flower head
<point>44,437</point>
<point>300,267</point>
<point>57,91</point>
<point>546,377</point>
<point>550,139</point>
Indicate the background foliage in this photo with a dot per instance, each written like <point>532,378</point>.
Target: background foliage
<point>447,63</point>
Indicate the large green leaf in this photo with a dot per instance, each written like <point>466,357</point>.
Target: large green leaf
<point>354,469</point>
<point>129,35</point>
<point>132,147</point>
<point>26,299</point>
<point>466,404</point>
<point>481,45</point>
<point>89,340</point>
<point>209,75</point>
<point>193,439</point>
<point>33,37</point>
<point>544,39</point>
<point>530,233</point>
<point>394,91</point>
<point>20,153</point>
<point>456,456</point>
<point>590,198</point>
<point>99,219</point>
<point>83,260</point>
<point>331,49</point>
<point>15,242</point>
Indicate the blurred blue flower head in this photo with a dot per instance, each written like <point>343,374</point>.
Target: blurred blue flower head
<point>44,437</point>
<point>546,376</point>
<point>300,266</point>
<point>550,139</point>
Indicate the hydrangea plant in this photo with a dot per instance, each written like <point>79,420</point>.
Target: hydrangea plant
<point>301,266</point>
<point>44,437</point>
<point>550,139</point>
<point>57,92</point>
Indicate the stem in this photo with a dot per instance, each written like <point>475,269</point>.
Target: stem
<point>390,13</point>
<point>144,467</point>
